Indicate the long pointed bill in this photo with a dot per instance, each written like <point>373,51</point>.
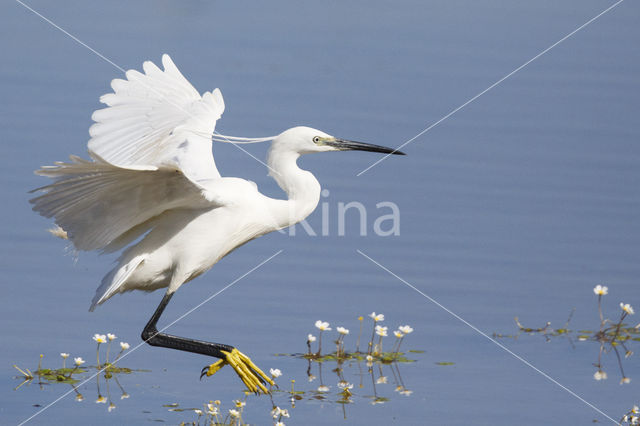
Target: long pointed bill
<point>345,145</point>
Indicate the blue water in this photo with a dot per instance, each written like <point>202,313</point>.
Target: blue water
<point>517,205</point>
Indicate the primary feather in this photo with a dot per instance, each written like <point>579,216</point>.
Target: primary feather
<point>157,119</point>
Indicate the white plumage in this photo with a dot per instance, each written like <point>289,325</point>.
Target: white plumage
<point>152,175</point>
<point>157,119</point>
<point>96,202</point>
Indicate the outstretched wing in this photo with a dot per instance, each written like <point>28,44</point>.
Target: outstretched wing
<point>99,204</point>
<point>157,119</point>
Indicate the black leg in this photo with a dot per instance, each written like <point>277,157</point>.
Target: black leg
<point>152,336</point>
<point>254,378</point>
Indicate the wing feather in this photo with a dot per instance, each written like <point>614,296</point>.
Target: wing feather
<point>151,151</point>
<point>96,202</point>
<point>157,118</point>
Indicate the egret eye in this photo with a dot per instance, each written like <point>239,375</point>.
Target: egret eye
<point>316,139</point>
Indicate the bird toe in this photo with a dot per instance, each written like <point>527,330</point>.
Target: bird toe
<point>250,374</point>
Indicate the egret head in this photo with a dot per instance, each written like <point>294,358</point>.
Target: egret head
<point>306,140</point>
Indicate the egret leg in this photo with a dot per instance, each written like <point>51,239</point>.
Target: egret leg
<point>249,373</point>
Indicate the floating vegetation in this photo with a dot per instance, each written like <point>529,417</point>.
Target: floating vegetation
<point>78,373</point>
<point>613,335</point>
<point>212,413</point>
<point>374,346</point>
<point>374,366</point>
<point>374,357</point>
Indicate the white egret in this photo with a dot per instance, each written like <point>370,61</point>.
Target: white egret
<point>152,189</point>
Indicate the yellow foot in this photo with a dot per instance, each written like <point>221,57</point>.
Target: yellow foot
<point>249,373</point>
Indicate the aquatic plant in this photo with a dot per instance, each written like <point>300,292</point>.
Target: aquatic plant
<point>613,336</point>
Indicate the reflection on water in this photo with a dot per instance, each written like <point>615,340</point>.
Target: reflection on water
<point>373,375</point>
<point>532,190</point>
<point>614,336</point>
<point>78,374</point>
<point>379,365</point>
<point>329,373</point>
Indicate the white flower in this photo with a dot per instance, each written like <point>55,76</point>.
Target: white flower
<point>627,308</point>
<point>345,385</point>
<point>212,409</point>
<point>311,338</point>
<point>101,400</point>
<point>111,336</point>
<point>124,346</point>
<point>600,375</point>
<point>398,334</point>
<point>238,403</point>
<point>342,330</point>
<point>322,326</point>
<point>625,380</point>
<point>405,329</point>
<point>275,372</point>
<point>279,424</point>
<point>198,412</point>
<point>381,380</point>
<point>369,360</point>
<point>79,397</point>
<point>234,413</point>
<point>406,392</point>
<point>78,361</point>
<point>376,317</point>
<point>100,338</point>
<point>323,388</point>
<point>275,413</point>
<point>112,407</point>
<point>635,409</point>
<point>601,290</point>
<point>381,331</point>
<point>64,355</point>
<point>124,396</point>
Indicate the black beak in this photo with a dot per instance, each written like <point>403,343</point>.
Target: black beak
<point>345,145</point>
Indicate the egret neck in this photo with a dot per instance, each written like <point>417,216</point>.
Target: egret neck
<point>302,188</point>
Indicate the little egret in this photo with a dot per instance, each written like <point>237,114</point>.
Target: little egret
<point>152,189</point>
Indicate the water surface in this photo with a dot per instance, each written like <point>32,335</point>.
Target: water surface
<point>517,205</point>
